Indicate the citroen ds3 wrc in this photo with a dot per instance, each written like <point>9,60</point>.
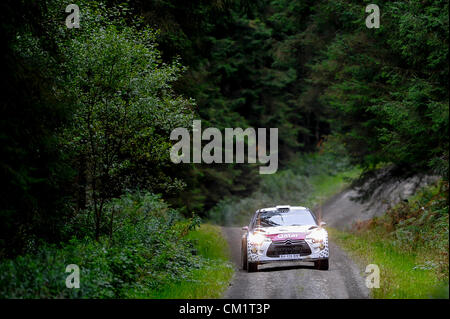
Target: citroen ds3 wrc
<point>284,233</point>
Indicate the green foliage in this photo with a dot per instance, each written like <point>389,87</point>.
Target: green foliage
<point>307,181</point>
<point>389,86</point>
<point>125,109</point>
<point>35,173</point>
<point>419,225</point>
<point>409,243</point>
<point>89,111</point>
<point>312,68</point>
<point>244,71</point>
<point>147,250</point>
<point>402,276</point>
<point>212,279</point>
<point>250,77</point>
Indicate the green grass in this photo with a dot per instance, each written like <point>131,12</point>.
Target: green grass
<point>211,280</point>
<point>409,243</point>
<point>401,274</point>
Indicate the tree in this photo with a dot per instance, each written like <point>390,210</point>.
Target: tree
<point>389,87</point>
<point>124,110</point>
<point>35,174</point>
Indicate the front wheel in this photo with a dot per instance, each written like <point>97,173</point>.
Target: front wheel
<point>244,256</point>
<point>321,264</point>
<point>252,267</point>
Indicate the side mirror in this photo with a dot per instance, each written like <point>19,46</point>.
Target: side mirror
<point>245,228</point>
<point>322,224</point>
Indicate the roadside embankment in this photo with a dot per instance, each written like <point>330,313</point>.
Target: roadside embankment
<point>409,243</point>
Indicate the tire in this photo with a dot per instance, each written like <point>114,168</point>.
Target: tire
<point>321,264</point>
<point>244,255</point>
<point>252,267</point>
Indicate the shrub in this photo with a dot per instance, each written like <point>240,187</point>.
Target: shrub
<point>146,250</point>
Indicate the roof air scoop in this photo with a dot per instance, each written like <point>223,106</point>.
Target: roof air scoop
<point>283,208</point>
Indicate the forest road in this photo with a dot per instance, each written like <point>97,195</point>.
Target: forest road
<point>296,280</point>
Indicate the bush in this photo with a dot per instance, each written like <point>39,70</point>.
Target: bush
<point>147,250</point>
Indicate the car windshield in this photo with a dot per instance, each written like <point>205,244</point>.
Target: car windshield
<point>293,218</point>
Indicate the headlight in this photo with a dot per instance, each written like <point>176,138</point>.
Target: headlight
<point>317,236</point>
<point>257,239</point>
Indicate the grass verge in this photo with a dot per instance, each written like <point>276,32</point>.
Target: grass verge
<point>409,244</point>
<point>209,281</point>
<point>401,276</point>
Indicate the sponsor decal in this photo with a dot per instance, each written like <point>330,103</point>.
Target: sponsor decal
<point>284,236</point>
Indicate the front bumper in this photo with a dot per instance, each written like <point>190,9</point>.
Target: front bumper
<point>309,251</point>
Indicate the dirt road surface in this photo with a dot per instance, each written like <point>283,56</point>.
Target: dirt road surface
<point>298,280</point>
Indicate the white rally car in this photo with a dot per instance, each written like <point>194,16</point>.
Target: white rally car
<point>284,233</point>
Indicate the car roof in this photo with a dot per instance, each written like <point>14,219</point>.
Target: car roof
<point>285,208</point>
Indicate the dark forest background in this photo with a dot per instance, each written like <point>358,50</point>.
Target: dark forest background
<point>85,117</point>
